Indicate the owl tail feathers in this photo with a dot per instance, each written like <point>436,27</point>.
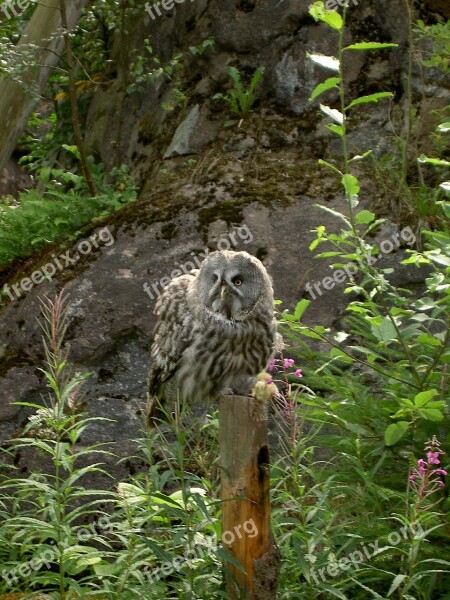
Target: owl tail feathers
<point>264,388</point>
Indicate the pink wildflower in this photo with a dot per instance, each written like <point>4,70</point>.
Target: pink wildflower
<point>288,362</point>
<point>298,373</point>
<point>425,480</point>
<point>421,464</point>
<point>433,458</point>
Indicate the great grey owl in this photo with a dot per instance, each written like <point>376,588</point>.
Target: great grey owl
<point>215,332</point>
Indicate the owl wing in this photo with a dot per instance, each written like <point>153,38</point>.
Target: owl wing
<point>172,335</point>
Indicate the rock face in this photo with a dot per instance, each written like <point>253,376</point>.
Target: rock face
<point>252,185</point>
<point>13,180</point>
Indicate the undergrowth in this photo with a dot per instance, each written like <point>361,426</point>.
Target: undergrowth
<point>59,211</point>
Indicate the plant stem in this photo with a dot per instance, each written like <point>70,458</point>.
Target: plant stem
<point>407,110</point>
<point>344,117</point>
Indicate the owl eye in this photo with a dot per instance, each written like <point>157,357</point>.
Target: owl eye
<point>237,281</point>
<point>215,277</point>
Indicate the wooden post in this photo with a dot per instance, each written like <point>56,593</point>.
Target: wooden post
<point>246,532</point>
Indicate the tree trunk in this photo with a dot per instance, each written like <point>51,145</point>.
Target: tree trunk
<point>73,101</point>
<point>16,102</point>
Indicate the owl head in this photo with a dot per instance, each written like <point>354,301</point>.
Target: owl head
<point>231,284</point>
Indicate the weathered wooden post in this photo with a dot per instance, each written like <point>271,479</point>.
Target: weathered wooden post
<point>244,462</point>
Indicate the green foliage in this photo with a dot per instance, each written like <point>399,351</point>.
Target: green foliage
<point>340,115</point>
<point>41,532</point>
<point>402,339</point>
<point>56,215</point>
<point>411,188</point>
<point>352,522</point>
<point>239,100</point>
<point>41,140</point>
<point>151,542</point>
<point>439,35</point>
<point>146,69</point>
<point>395,329</point>
<point>370,404</point>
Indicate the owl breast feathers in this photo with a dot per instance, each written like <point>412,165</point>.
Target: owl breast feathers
<point>215,332</point>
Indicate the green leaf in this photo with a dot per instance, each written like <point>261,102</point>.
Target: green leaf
<point>310,333</point>
<point>73,150</point>
<point>321,231</point>
<point>422,398</point>
<point>445,185</point>
<point>329,62</point>
<point>398,579</point>
<point>364,217</point>
<point>446,207</point>
<point>361,156</point>
<point>429,340</point>
<point>315,243</point>
<point>370,46</point>
<point>368,99</point>
<point>431,414</point>
<point>323,87</point>
<point>351,185</point>
<point>131,494</point>
<point>433,161</point>
<point>325,163</point>
<point>444,127</point>
<point>334,20</point>
<point>336,353</point>
<point>335,213</point>
<point>385,331</point>
<point>395,432</point>
<point>330,254</point>
<point>338,129</point>
<point>333,113</point>
<point>425,303</point>
<point>300,308</point>
<point>106,569</point>
<point>331,17</point>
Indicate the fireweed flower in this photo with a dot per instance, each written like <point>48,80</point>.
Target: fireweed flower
<point>284,364</point>
<point>281,370</point>
<point>425,479</point>
<point>288,362</point>
<point>433,458</point>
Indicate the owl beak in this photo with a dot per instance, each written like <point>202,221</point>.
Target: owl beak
<point>223,291</point>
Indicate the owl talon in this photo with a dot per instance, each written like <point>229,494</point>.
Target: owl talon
<point>264,388</point>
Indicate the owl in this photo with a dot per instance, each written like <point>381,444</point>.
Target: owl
<point>215,332</point>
